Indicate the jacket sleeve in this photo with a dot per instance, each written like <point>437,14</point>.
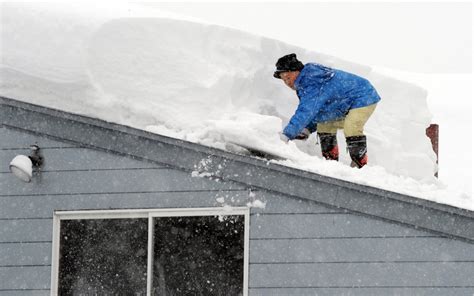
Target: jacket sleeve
<point>312,126</point>
<point>306,114</point>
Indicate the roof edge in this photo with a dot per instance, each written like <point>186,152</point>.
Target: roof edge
<point>419,213</point>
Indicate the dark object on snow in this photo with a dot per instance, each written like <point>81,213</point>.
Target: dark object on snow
<point>263,154</point>
<point>433,133</point>
<point>287,63</point>
<point>303,135</point>
<point>329,147</point>
<point>357,146</point>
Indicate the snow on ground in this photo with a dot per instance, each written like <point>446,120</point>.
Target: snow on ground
<point>206,84</point>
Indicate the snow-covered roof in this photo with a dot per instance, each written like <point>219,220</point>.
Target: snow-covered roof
<point>205,84</point>
<point>256,173</point>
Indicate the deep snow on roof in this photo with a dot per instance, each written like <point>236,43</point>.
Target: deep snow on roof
<point>205,84</point>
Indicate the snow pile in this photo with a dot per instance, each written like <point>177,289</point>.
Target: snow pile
<point>202,83</point>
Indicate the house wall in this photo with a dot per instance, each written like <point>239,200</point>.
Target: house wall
<point>297,247</point>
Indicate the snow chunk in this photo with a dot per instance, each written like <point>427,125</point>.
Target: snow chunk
<point>257,204</point>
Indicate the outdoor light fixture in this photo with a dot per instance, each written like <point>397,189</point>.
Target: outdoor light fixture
<point>22,165</point>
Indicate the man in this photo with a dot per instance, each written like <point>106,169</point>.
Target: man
<point>330,99</point>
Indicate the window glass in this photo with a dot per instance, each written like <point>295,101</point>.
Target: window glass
<point>103,257</point>
<point>198,255</point>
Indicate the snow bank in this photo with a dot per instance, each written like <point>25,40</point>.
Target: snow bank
<point>203,83</point>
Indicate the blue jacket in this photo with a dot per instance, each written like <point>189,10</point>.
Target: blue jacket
<point>326,95</point>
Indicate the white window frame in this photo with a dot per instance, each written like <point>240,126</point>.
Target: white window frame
<point>149,214</point>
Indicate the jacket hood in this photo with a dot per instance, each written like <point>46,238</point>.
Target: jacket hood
<point>313,74</point>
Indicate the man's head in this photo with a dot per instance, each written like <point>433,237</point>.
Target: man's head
<point>288,68</point>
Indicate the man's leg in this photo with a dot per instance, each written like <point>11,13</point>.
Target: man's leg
<point>354,132</point>
<point>327,136</point>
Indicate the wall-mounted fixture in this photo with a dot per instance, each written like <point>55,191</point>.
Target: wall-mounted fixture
<point>22,166</point>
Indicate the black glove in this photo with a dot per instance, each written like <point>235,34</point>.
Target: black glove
<point>304,135</point>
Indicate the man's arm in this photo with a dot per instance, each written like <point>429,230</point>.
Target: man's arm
<point>306,113</point>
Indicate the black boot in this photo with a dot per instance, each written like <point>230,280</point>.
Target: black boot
<point>329,147</point>
<point>357,146</point>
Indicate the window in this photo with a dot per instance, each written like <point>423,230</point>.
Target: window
<point>151,252</point>
<point>103,256</point>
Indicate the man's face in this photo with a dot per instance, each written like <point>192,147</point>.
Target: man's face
<point>289,78</point>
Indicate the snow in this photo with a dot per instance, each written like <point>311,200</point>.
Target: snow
<point>450,102</point>
<point>207,84</point>
<point>257,204</point>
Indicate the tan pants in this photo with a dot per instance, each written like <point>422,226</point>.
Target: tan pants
<point>353,123</point>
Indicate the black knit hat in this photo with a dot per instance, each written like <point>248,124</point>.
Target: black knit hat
<point>287,63</point>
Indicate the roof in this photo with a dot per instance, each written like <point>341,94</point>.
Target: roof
<point>253,172</point>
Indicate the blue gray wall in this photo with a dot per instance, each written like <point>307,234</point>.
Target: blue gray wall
<point>297,247</point>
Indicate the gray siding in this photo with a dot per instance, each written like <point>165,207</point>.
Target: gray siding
<point>297,247</point>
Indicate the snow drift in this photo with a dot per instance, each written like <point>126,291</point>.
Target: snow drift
<point>203,83</point>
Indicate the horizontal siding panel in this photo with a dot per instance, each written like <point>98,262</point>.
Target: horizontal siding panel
<point>25,292</point>
<point>31,230</point>
<point>77,159</point>
<point>16,254</point>
<point>360,250</point>
<point>32,277</point>
<point>317,226</point>
<point>453,221</point>
<point>362,274</point>
<point>281,204</point>
<point>43,206</point>
<point>110,182</point>
<point>362,291</point>
<point>32,206</point>
<point>12,139</point>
